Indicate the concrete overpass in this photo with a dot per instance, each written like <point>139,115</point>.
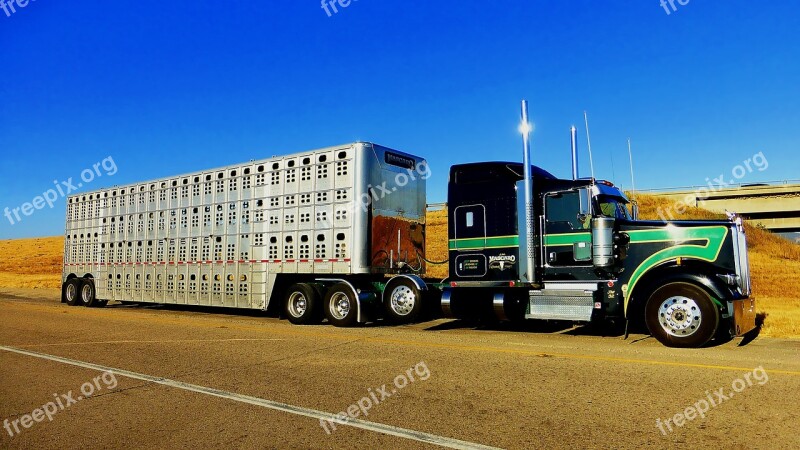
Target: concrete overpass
<point>774,205</point>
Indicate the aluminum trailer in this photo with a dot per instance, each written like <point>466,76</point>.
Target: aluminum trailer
<point>336,232</point>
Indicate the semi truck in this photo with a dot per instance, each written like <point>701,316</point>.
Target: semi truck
<point>339,233</point>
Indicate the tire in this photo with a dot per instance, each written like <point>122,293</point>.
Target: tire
<point>64,292</point>
<point>681,314</point>
<point>341,305</point>
<point>87,294</point>
<point>71,292</point>
<point>302,305</point>
<point>515,305</point>
<point>402,300</point>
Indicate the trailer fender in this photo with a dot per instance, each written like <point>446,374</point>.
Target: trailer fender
<point>416,280</point>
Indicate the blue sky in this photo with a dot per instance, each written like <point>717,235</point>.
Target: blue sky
<point>171,87</point>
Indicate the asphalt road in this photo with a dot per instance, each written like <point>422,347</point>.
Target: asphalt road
<point>188,377</point>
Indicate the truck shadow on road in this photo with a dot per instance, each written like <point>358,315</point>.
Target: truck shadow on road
<point>434,323</point>
<point>617,331</point>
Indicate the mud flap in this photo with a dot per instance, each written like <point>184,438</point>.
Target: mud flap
<point>744,316</point>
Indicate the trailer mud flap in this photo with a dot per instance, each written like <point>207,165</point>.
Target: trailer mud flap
<point>744,316</point>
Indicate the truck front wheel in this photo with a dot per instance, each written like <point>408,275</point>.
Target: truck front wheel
<point>681,314</point>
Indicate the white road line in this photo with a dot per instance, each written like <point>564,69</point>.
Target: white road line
<point>390,430</point>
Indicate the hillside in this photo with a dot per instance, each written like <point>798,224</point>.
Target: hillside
<point>32,263</point>
<point>775,263</point>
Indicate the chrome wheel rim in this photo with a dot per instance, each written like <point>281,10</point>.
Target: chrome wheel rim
<point>340,305</point>
<point>402,300</point>
<point>298,304</point>
<point>86,293</point>
<point>72,292</point>
<point>680,316</point>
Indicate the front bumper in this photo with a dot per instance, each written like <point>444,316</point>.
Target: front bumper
<point>744,316</point>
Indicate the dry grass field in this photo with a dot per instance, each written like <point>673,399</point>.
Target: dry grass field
<point>31,263</point>
<point>775,263</point>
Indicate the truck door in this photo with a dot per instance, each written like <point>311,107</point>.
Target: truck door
<point>470,240</point>
<point>567,236</point>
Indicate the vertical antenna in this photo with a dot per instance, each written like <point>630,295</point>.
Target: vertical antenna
<point>630,157</point>
<point>588,142</point>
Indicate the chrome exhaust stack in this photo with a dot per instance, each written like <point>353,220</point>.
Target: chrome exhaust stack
<point>574,146</point>
<point>530,251</point>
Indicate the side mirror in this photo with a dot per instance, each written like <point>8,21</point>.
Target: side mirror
<point>635,210</point>
<point>585,202</point>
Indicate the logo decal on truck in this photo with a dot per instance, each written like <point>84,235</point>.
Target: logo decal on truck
<point>399,160</point>
<point>502,262</point>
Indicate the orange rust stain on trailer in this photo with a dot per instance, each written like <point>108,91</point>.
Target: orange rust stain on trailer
<point>384,247</point>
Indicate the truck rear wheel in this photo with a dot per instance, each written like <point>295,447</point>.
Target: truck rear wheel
<point>402,300</point>
<point>681,314</point>
<point>71,291</point>
<point>341,305</point>
<point>302,305</point>
<point>88,295</point>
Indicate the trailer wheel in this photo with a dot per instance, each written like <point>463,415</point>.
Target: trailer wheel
<point>341,305</point>
<point>681,314</point>
<point>71,291</point>
<point>402,300</point>
<point>87,293</point>
<point>302,305</point>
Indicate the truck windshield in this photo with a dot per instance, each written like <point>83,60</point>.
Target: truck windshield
<point>612,207</point>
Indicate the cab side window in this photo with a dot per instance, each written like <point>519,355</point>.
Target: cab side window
<point>562,213</point>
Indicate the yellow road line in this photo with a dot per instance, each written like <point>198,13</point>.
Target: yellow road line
<point>175,341</point>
